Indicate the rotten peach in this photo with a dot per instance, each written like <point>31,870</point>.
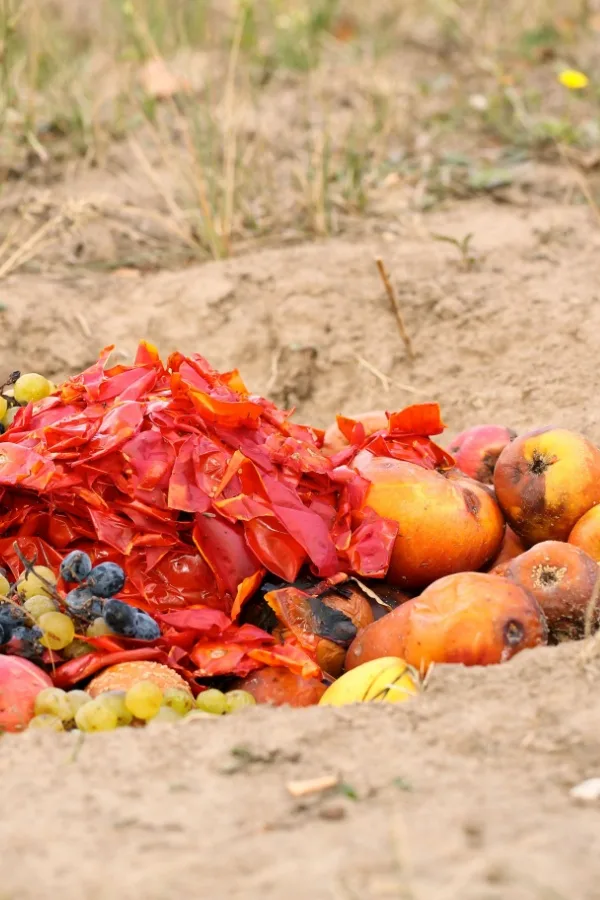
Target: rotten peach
<point>545,481</point>
<point>477,449</point>
<point>448,522</point>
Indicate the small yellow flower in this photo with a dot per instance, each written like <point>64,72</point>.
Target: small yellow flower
<point>573,79</point>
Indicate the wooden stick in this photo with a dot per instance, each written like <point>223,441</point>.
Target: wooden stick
<point>395,305</point>
<point>312,785</point>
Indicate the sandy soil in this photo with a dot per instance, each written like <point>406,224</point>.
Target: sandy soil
<point>462,794</point>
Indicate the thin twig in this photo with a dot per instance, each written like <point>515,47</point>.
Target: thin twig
<point>275,359</point>
<point>395,305</point>
<point>591,608</point>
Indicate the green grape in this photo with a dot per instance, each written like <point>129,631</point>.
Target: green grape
<point>54,702</point>
<point>166,714</point>
<point>98,628</point>
<point>9,416</point>
<point>77,699</point>
<point>212,701</point>
<point>115,700</point>
<point>3,407</point>
<point>39,604</point>
<point>238,700</point>
<point>144,699</point>
<point>29,585</point>
<point>45,720</point>
<point>96,716</point>
<point>4,586</point>
<point>31,387</point>
<point>179,700</point>
<point>76,649</point>
<point>58,630</point>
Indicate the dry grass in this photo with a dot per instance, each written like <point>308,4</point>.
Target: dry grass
<point>218,124</point>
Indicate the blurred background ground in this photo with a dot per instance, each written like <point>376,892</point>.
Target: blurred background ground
<point>221,177</point>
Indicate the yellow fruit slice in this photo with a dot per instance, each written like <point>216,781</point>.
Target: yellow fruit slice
<point>385,680</point>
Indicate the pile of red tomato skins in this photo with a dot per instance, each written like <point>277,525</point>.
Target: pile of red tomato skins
<point>273,557</point>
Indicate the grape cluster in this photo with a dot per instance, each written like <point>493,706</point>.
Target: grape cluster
<point>20,390</point>
<point>144,703</point>
<point>34,617</point>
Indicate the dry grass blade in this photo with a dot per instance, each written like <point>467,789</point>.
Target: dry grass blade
<point>28,249</point>
<point>230,138</point>
<point>386,381</point>
<point>176,211</point>
<point>395,305</point>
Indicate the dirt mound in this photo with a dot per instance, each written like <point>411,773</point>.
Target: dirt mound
<point>464,794</point>
<point>507,334</point>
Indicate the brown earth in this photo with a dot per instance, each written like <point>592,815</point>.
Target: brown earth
<point>455,108</point>
<point>461,794</point>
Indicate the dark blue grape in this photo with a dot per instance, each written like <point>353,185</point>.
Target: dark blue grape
<point>120,617</point>
<point>3,636</point>
<point>106,579</point>
<point>146,629</point>
<point>81,602</point>
<point>25,642</point>
<point>76,566</point>
<point>11,616</point>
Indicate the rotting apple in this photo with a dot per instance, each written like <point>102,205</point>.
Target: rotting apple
<point>471,618</point>
<point>586,533</point>
<point>280,687</point>
<point>511,546</point>
<point>545,481</point>
<point>477,449</point>
<point>562,578</point>
<point>448,522</point>
<point>20,683</point>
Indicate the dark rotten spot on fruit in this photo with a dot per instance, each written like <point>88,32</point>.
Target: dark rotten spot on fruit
<point>332,623</point>
<point>547,576</point>
<point>472,502</point>
<point>485,471</point>
<point>513,632</point>
<point>540,463</point>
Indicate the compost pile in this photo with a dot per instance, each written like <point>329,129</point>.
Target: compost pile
<point>161,526</point>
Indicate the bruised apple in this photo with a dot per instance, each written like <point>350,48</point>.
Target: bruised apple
<point>20,683</point>
<point>477,449</point>
<point>372,421</point>
<point>561,577</point>
<point>471,618</point>
<point>545,481</point>
<point>281,687</point>
<point>448,522</point>
<point>511,546</point>
<point>586,533</point>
